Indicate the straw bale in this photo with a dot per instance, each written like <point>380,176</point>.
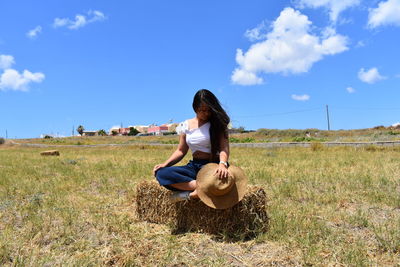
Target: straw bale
<point>244,220</point>
<point>50,153</point>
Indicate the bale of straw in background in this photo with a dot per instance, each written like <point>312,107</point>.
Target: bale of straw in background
<point>245,220</point>
<point>50,153</point>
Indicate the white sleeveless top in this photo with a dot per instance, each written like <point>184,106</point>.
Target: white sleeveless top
<point>198,139</point>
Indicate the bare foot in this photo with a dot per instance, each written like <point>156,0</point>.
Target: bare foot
<point>194,194</point>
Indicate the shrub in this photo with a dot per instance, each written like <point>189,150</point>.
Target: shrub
<point>307,139</point>
<point>2,140</point>
<point>102,132</point>
<point>169,133</point>
<point>302,139</point>
<point>240,129</point>
<point>291,133</point>
<point>380,127</point>
<point>133,131</point>
<point>47,136</point>
<point>241,140</point>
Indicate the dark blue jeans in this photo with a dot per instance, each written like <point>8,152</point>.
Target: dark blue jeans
<point>179,174</point>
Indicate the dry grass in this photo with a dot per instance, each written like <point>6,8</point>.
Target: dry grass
<point>260,136</point>
<point>316,135</point>
<point>328,207</point>
<point>93,140</point>
<point>245,220</point>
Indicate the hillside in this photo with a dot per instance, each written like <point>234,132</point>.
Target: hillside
<point>259,136</point>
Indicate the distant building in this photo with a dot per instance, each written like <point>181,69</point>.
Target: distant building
<point>396,125</point>
<point>124,131</point>
<point>113,130</point>
<point>90,133</point>
<point>119,131</point>
<point>141,128</point>
<point>151,129</point>
<point>172,126</point>
<point>51,136</point>
<point>157,130</point>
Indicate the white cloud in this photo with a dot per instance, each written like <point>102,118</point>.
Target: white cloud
<point>257,33</point>
<point>387,13</point>
<point>60,22</point>
<point>6,61</point>
<point>335,7</point>
<point>360,44</point>
<point>96,15</point>
<point>244,77</point>
<point>301,97</point>
<point>370,76</point>
<point>351,90</point>
<point>12,79</point>
<point>34,32</point>
<point>80,20</point>
<point>396,124</point>
<point>288,48</point>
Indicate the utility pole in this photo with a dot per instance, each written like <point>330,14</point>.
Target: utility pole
<point>6,134</point>
<point>73,128</point>
<point>327,117</point>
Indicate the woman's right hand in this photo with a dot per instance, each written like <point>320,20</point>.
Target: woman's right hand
<point>157,167</point>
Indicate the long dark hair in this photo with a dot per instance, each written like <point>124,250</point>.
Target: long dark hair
<point>219,120</point>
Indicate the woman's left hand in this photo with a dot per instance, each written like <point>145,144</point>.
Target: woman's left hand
<point>222,171</point>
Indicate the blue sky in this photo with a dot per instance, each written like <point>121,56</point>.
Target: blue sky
<point>272,64</point>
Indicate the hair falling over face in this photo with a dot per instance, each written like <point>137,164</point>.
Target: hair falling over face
<point>207,105</point>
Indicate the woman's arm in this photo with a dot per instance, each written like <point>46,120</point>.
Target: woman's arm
<point>224,149</point>
<point>223,157</point>
<point>178,154</point>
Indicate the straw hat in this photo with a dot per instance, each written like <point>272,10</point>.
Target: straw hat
<point>221,193</point>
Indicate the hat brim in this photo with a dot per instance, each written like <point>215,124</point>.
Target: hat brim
<point>228,200</point>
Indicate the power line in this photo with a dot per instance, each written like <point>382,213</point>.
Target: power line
<point>313,109</point>
<point>363,108</point>
<point>280,113</point>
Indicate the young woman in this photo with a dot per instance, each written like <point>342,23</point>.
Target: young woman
<point>206,135</point>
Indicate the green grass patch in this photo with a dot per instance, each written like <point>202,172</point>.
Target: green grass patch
<point>328,206</point>
<point>242,140</point>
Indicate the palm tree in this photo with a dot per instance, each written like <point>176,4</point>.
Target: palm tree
<point>80,129</point>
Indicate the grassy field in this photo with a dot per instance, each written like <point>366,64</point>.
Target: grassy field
<point>259,136</point>
<point>328,206</point>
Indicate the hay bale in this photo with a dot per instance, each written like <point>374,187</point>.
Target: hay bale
<point>50,153</point>
<point>244,220</point>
